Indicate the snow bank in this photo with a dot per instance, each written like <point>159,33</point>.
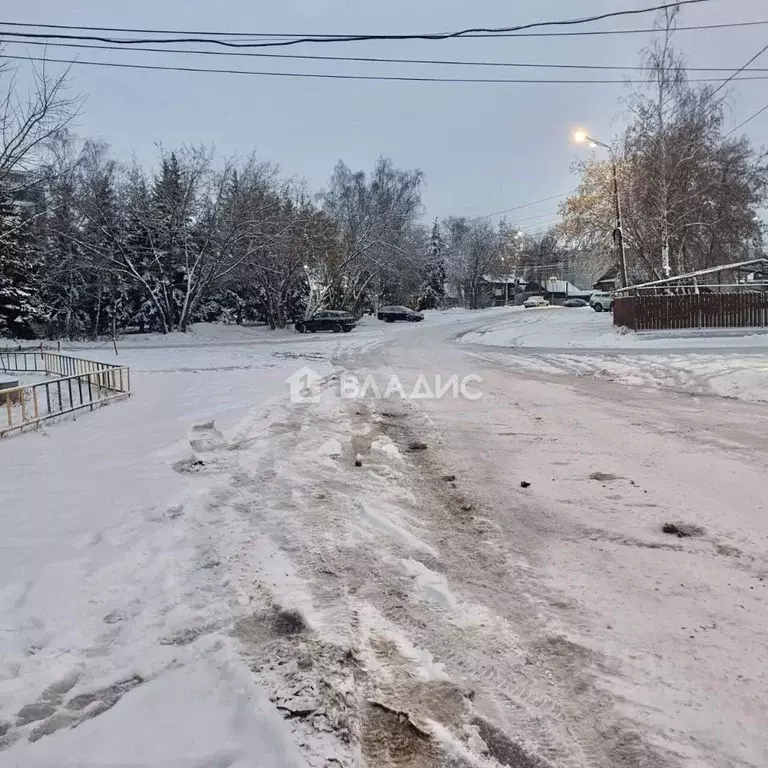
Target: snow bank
<point>208,713</point>
<point>111,597</point>
<point>585,329</point>
<point>583,342</point>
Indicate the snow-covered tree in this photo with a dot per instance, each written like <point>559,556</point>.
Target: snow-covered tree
<point>19,268</point>
<point>374,216</point>
<point>434,285</point>
<point>473,250</point>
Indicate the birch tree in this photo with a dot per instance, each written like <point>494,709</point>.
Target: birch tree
<point>373,216</point>
<point>474,249</point>
<point>689,193</point>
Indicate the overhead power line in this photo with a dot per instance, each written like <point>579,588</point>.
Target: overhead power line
<point>747,121</point>
<point>524,205</point>
<point>358,38</point>
<point>274,35</point>
<point>740,70</point>
<point>730,79</point>
<point>330,76</point>
<point>543,228</point>
<point>293,36</point>
<point>369,59</point>
<point>549,215</point>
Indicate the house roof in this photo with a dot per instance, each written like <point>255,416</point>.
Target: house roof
<point>610,274</point>
<point>510,279</point>
<point>564,287</point>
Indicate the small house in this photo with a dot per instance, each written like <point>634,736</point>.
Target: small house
<point>502,290</point>
<point>609,280</point>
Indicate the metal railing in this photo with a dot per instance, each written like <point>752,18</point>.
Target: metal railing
<point>78,385</point>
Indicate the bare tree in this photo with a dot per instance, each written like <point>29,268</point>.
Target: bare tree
<point>474,249</point>
<point>31,117</point>
<point>689,194</point>
<point>373,217</point>
<point>282,236</point>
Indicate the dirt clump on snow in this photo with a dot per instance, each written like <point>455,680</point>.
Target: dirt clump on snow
<point>682,530</point>
<point>603,477</point>
<point>268,624</point>
<point>188,466</point>
<point>503,749</point>
<point>392,736</point>
<point>392,415</point>
<point>288,622</point>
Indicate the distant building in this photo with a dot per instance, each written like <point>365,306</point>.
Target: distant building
<point>501,290</point>
<point>558,291</point>
<point>609,280</point>
<point>532,288</point>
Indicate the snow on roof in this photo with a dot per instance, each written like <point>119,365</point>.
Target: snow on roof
<point>502,279</point>
<point>564,287</point>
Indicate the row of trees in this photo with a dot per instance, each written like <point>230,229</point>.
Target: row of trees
<point>99,247</point>
<point>689,190</point>
<point>90,245</point>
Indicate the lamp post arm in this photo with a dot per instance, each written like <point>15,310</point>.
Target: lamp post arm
<point>600,144</point>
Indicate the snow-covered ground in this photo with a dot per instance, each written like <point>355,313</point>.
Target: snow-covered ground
<point>211,575</point>
<point>100,573</point>
<point>584,343</point>
<point>111,576</point>
<point>558,328</point>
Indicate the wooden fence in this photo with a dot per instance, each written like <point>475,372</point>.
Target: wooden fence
<point>703,310</point>
<point>77,385</point>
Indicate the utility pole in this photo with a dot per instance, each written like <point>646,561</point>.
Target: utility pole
<point>618,233</point>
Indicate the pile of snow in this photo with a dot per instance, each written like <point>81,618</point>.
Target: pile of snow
<point>113,608</point>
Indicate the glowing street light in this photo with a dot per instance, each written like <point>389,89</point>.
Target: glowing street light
<point>580,137</point>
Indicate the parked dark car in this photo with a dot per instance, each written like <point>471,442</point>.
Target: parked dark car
<point>392,314</point>
<point>576,303</point>
<point>327,320</point>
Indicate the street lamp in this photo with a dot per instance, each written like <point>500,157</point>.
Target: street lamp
<point>618,234</point>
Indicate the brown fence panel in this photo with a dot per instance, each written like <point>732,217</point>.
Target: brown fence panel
<point>704,310</point>
<point>624,311</point>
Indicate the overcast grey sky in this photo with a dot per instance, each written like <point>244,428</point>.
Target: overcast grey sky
<point>483,148</point>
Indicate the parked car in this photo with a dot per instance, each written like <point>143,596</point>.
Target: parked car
<point>535,301</point>
<point>601,302</point>
<point>327,320</point>
<point>392,314</point>
<point>576,303</point>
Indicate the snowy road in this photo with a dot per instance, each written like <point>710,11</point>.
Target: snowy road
<point>580,342</point>
<point>270,603</point>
